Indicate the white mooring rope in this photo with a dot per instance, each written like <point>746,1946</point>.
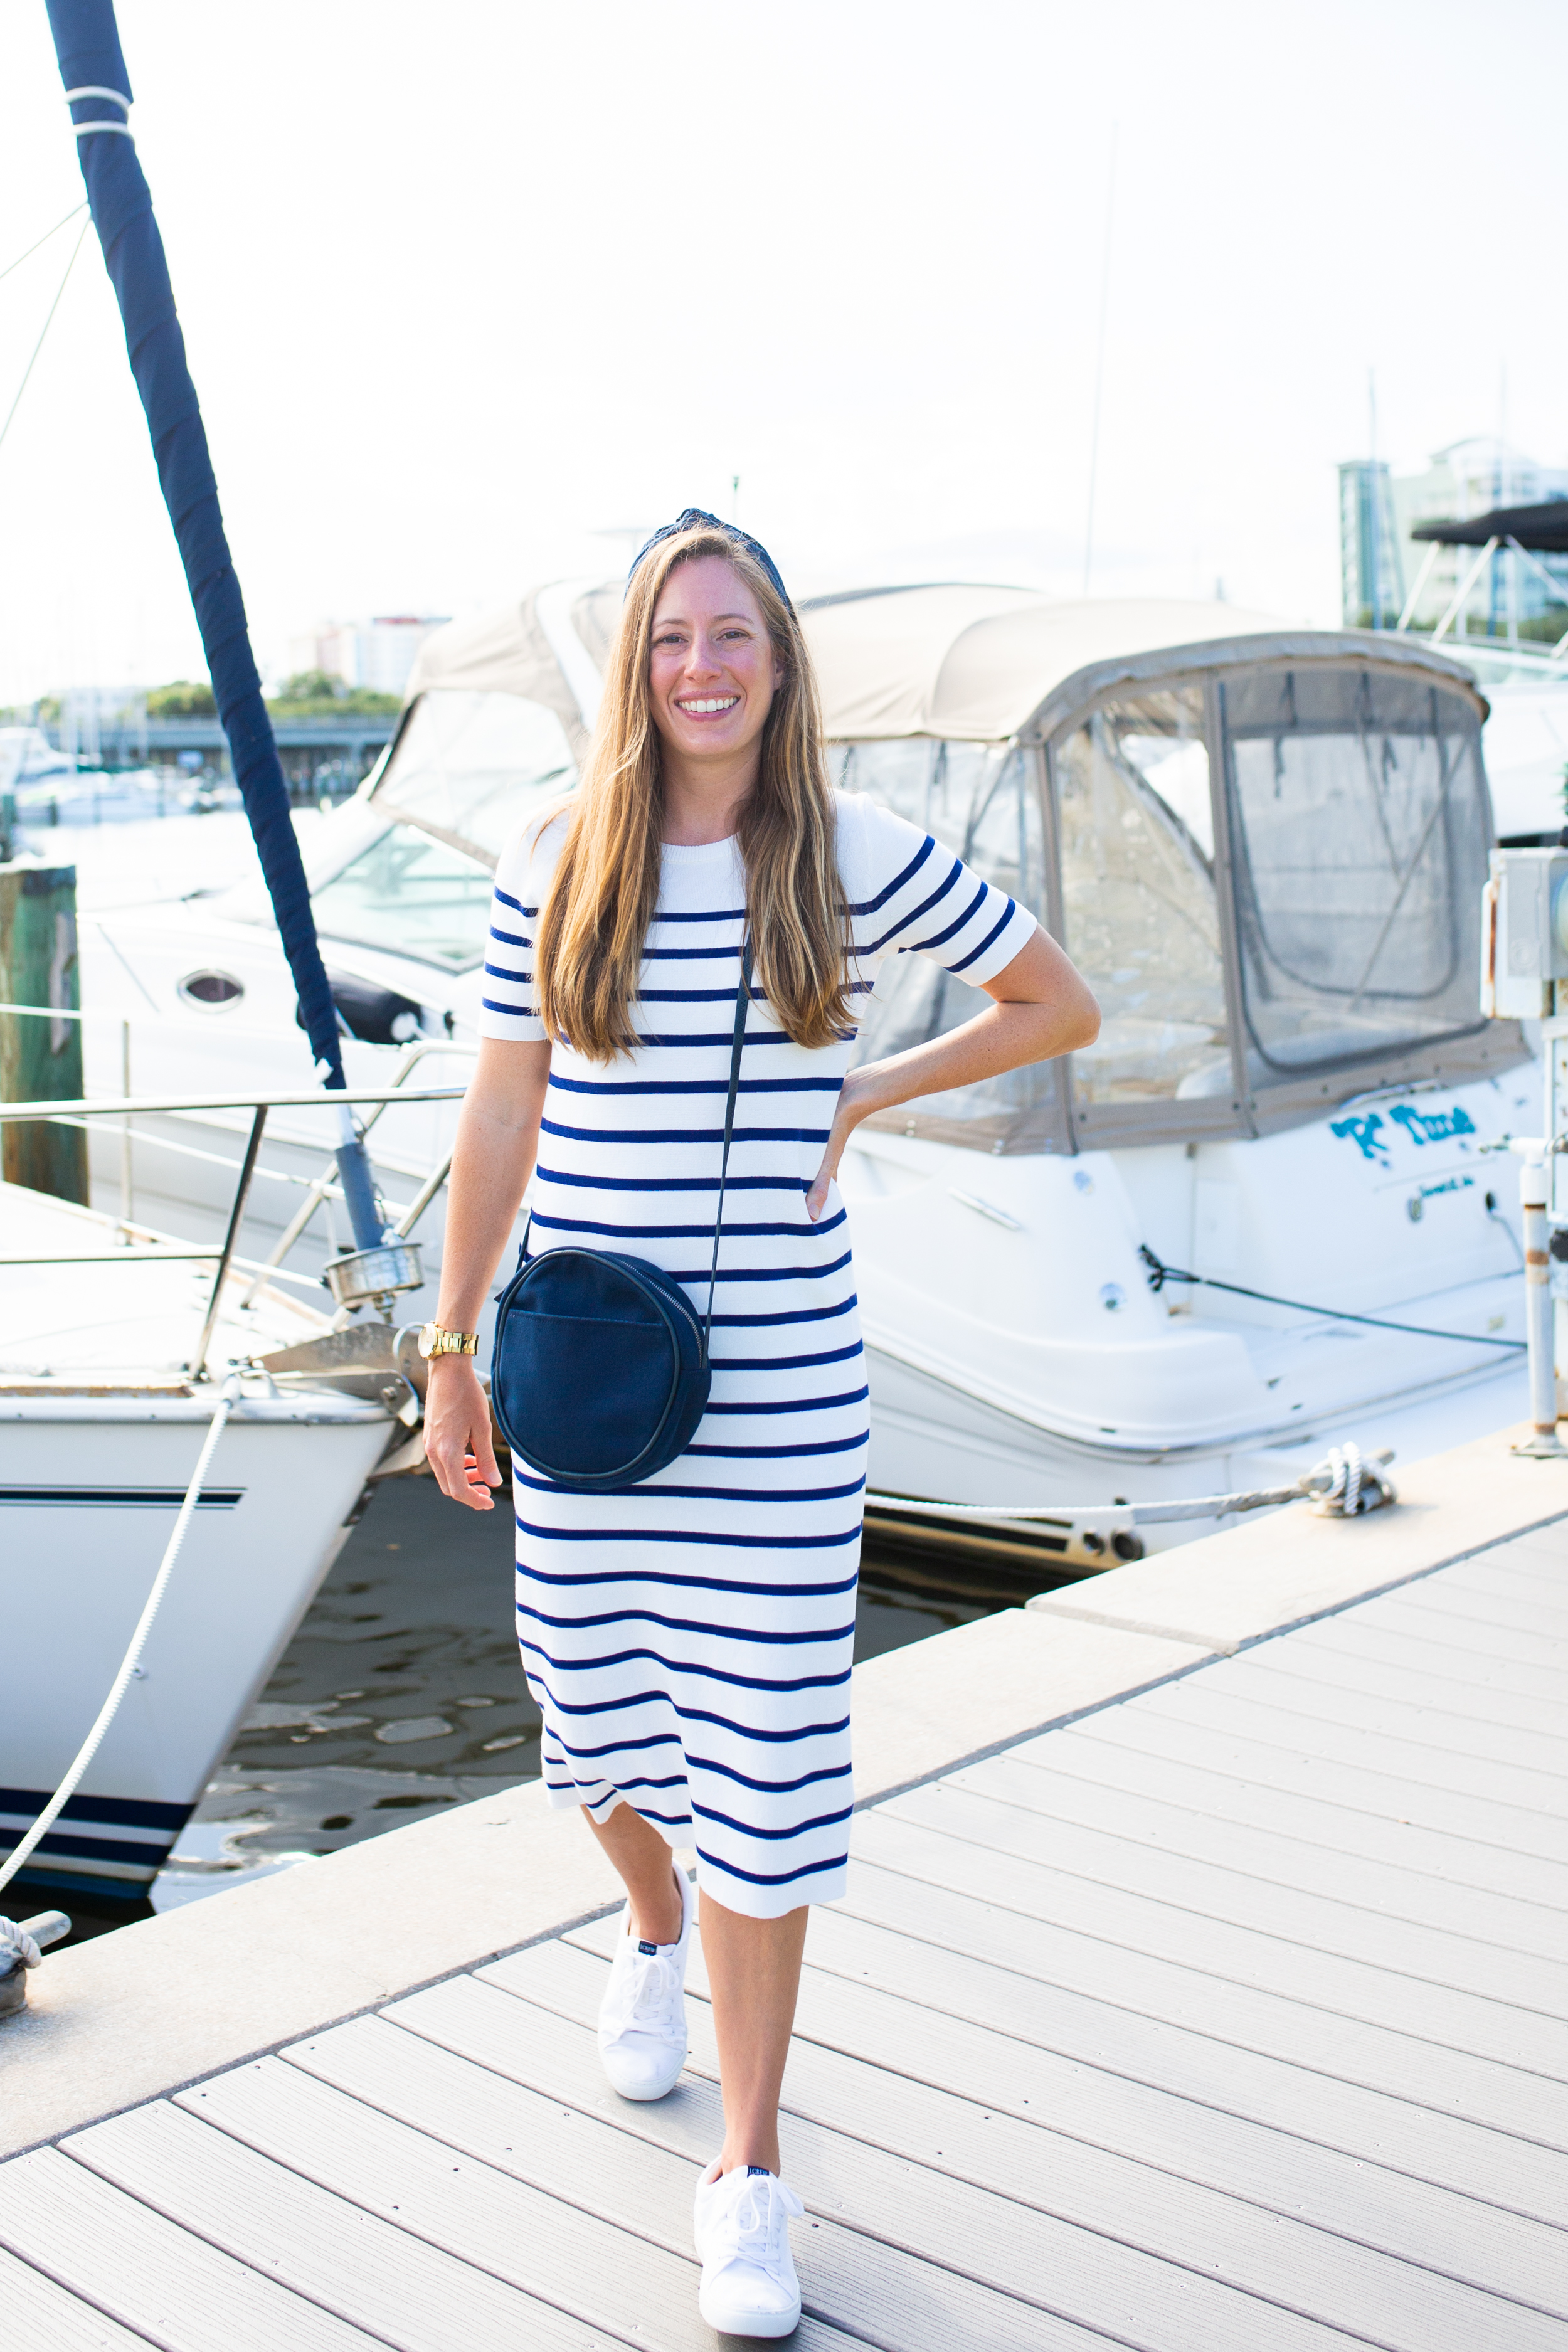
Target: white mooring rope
<point>228,1400</point>
<point>1343,1485</point>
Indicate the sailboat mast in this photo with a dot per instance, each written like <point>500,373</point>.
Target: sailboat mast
<point>97,89</point>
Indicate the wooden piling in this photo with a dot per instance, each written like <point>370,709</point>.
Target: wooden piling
<point>41,1060</point>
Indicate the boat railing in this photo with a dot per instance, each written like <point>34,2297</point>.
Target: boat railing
<point>375,1099</point>
<point>321,1189</point>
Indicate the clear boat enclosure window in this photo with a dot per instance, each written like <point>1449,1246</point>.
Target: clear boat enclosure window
<point>983,801</point>
<point>1358,839</point>
<point>1140,915</point>
<point>411,893</point>
<point>471,766</point>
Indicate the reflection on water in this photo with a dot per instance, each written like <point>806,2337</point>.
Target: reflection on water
<point>401,1692</point>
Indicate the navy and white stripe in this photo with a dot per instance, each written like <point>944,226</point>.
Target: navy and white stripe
<point>689,1643</point>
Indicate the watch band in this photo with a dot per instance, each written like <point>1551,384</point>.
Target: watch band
<point>434,1340</point>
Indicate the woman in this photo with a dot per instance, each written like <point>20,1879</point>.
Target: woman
<point>689,1642</point>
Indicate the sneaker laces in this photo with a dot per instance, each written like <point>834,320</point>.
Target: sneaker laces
<point>647,1993</point>
<point>746,2222</point>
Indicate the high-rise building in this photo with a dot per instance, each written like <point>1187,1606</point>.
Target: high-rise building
<point>1378,512</point>
<point>1372,580</point>
<point>378,654</point>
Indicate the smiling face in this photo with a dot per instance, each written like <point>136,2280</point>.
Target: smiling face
<point>712,673</point>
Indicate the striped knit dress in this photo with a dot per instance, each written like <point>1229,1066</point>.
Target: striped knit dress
<point>689,1642</point>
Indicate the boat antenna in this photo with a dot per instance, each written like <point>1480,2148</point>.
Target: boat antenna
<point>98,92</point>
<point>1100,358</point>
<point>1375,489</point>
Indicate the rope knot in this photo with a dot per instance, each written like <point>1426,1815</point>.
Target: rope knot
<point>1345,1485</point>
<point>16,1947</point>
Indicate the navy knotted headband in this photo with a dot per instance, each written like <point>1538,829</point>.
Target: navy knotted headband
<point>695,518</point>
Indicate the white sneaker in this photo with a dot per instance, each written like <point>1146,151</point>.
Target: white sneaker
<point>642,2018</point>
<point>741,2227</point>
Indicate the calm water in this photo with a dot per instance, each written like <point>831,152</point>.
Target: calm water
<point>401,1691</point>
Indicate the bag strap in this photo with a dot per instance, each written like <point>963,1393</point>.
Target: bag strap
<point>743,1006</point>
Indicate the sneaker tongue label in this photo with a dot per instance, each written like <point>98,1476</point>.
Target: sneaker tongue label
<point>758,2169</point>
<point>647,1950</point>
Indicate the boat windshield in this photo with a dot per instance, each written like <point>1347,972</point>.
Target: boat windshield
<point>1360,842</point>
<point>981,802</point>
<point>1135,824</point>
<point>411,893</point>
<point>472,766</point>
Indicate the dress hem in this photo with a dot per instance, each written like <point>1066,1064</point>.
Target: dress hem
<point>828,1885</point>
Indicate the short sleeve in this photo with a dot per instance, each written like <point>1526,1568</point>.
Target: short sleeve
<point>507,1007</point>
<point>909,896</point>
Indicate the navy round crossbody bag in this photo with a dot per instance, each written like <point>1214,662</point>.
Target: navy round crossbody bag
<point>600,1374</point>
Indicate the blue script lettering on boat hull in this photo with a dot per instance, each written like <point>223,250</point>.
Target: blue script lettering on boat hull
<point>1366,1130</point>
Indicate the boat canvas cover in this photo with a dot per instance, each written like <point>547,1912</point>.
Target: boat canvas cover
<point>502,651</point>
<point>952,661</point>
<point>973,664</point>
<point>1303,926</point>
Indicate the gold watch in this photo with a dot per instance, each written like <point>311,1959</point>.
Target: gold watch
<point>434,1341</point>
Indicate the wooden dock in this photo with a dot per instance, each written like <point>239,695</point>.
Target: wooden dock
<point>1225,2017</point>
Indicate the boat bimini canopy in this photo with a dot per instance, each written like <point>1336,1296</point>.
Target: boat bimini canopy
<point>1264,847</point>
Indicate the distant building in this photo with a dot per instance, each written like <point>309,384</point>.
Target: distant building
<point>1372,578</point>
<point>378,654</point>
<point>1378,512</point>
<point>90,714</point>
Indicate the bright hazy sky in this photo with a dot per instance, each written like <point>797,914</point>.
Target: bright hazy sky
<point>463,285</point>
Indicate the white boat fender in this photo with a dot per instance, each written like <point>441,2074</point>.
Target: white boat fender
<point>21,1948</point>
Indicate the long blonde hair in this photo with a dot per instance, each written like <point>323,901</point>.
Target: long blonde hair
<point>592,924</point>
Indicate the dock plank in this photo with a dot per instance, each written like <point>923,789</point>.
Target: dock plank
<point>38,2312</point>
<point>1063,1859</point>
<point>954,1950</point>
<point>1387,1755</point>
<point>1485,1706</point>
<point>1306,1770</point>
<point>636,2277</point>
<point>1269,1681</point>
<point>876,1944</point>
<point>1164,1961</point>
<point>1071,1806</point>
<point>879,2218</point>
<point>1536,1617</point>
<point>1517,1575</point>
<point>1278,2255</point>
<point>1472,1875</point>
<point>984,2100</point>
<point>1137,2085</point>
<point>1543,1552</point>
<point>1415,1609</point>
<point>369,2272</point>
<point>160,2280</point>
<point>1487,1676</point>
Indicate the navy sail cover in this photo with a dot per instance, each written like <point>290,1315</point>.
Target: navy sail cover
<point>87,42</point>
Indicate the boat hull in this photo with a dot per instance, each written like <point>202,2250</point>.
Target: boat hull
<point>90,1486</point>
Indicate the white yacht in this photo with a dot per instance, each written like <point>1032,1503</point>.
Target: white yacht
<point>1265,846</point>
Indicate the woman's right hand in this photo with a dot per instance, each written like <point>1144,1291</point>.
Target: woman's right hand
<point>458,1433</point>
